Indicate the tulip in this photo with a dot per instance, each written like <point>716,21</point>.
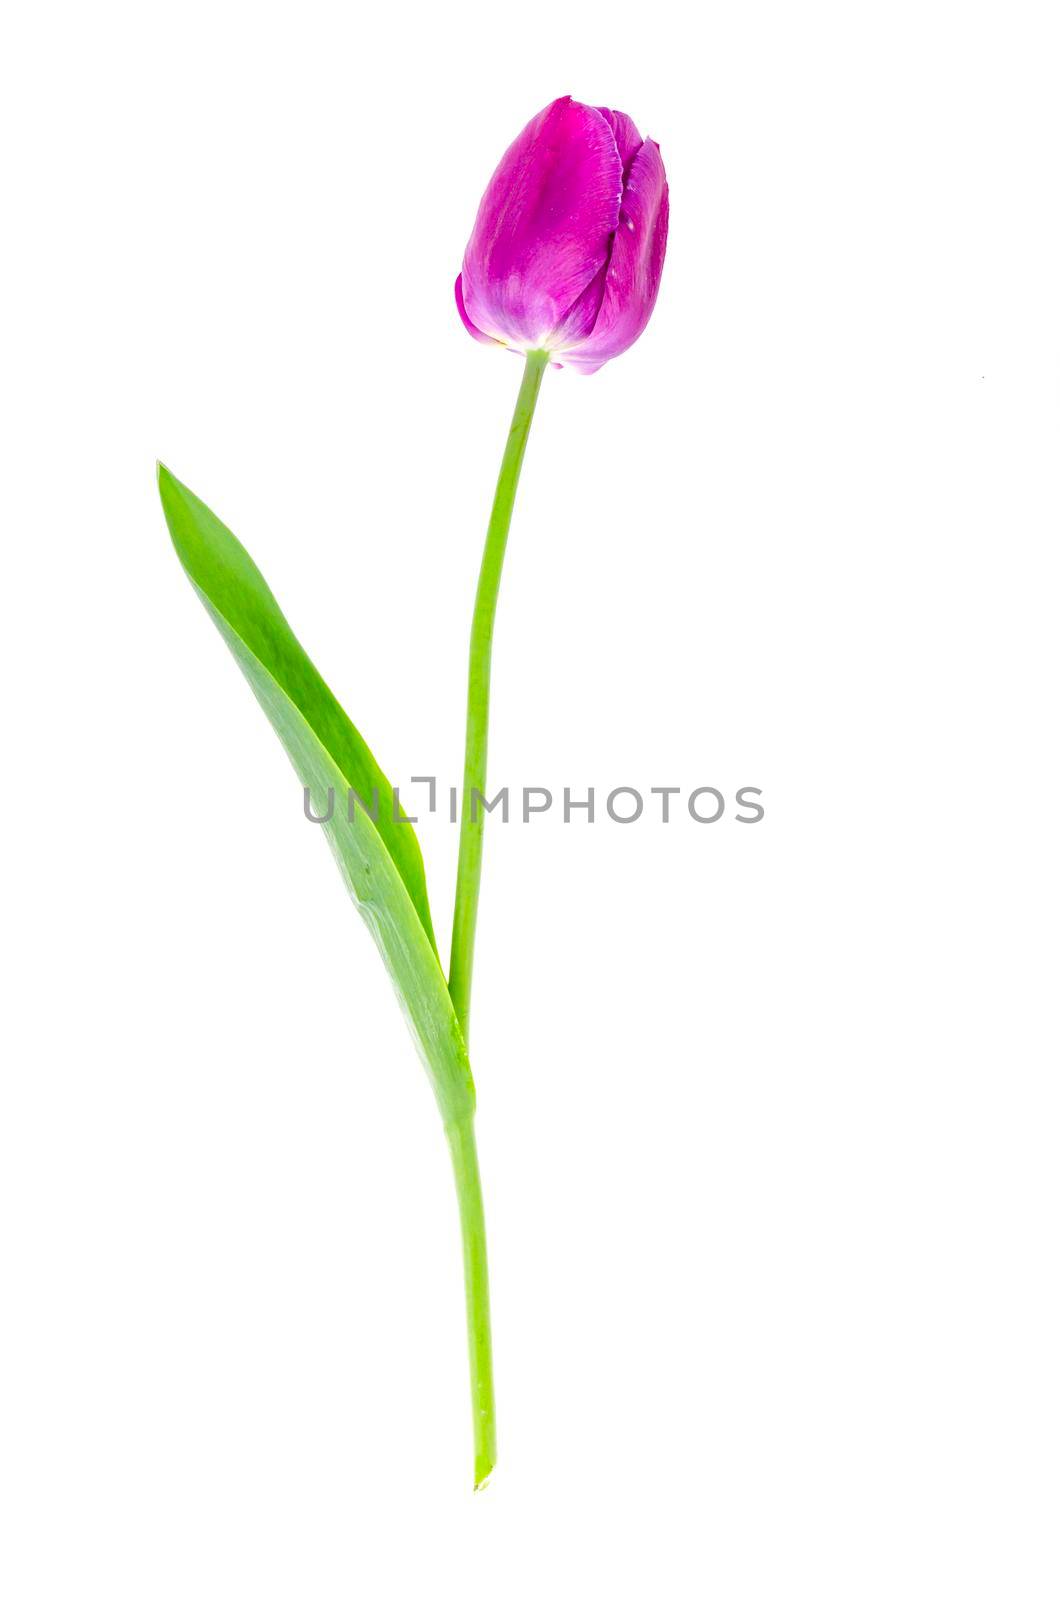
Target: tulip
<point>568,245</point>
<point>564,261</point>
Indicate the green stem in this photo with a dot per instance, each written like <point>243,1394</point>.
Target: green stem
<point>461,1136</point>
<point>472,818</point>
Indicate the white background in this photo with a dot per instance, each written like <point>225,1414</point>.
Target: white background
<point>768,1115</point>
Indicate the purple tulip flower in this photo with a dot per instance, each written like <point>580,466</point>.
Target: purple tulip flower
<point>568,245</point>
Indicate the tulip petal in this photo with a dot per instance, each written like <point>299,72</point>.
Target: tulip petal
<point>476,333</point>
<point>543,230</point>
<point>627,138</point>
<point>635,267</point>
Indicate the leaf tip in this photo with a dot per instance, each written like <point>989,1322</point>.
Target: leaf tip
<point>166,483</point>
<point>164,478</point>
<point>174,498</point>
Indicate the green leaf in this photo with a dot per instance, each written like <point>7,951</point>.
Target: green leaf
<point>381,864</point>
<point>224,574</point>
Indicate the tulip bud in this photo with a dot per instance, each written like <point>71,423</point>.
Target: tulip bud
<point>568,245</point>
